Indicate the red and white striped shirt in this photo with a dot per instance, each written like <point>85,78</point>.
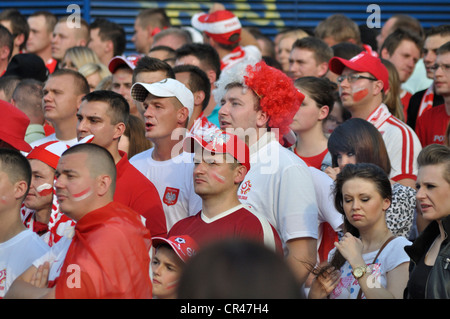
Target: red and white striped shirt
<point>402,144</point>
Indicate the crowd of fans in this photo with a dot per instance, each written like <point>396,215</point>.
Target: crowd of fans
<point>218,162</point>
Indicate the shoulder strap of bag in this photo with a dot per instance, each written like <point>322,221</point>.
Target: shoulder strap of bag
<point>375,259</point>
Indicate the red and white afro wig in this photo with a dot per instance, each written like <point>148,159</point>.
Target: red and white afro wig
<point>278,96</point>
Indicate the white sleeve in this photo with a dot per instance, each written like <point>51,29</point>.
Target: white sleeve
<point>323,185</point>
<point>297,204</point>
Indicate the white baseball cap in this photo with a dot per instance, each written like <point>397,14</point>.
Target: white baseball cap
<point>165,88</point>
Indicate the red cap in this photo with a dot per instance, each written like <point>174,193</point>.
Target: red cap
<point>221,142</point>
<point>117,61</point>
<point>184,246</point>
<point>219,25</point>
<point>49,152</point>
<point>363,62</point>
<point>14,126</point>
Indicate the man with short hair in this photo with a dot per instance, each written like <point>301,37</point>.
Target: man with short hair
<point>19,246</point>
<point>427,98</point>
<point>432,125</point>
<point>27,97</point>
<point>309,57</point>
<point>62,97</point>
<point>363,82</point>
<point>221,162</point>
<point>173,37</point>
<point>197,81</point>
<point>168,105</point>
<point>17,24</point>
<point>107,39</point>
<point>259,107</point>
<point>66,35</point>
<point>6,48</point>
<point>148,23</point>
<point>85,185</point>
<point>206,58</point>
<point>403,49</point>
<point>39,42</point>
<point>104,114</point>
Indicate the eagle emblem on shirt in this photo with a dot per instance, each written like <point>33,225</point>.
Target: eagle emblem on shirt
<point>171,196</point>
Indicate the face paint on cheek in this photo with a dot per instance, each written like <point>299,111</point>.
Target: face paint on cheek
<point>172,284</point>
<point>44,189</point>
<point>359,93</point>
<point>82,195</point>
<point>218,177</point>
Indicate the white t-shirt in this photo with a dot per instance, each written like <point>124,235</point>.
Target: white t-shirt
<point>17,255</point>
<point>279,186</point>
<point>174,181</point>
<point>323,185</point>
<point>392,256</point>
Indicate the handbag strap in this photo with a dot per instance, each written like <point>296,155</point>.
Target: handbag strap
<point>375,259</point>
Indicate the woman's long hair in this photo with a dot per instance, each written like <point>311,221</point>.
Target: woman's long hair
<point>366,171</point>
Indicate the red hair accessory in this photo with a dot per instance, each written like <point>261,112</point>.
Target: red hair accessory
<point>278,96</point>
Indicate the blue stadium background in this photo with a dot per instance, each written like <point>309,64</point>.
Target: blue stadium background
<point>270,16</point>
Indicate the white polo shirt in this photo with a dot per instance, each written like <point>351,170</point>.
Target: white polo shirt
<point>402,144</point>
<point>279,186</point>
<point>174,181</point>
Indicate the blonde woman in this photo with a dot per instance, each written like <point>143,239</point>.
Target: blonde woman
<point>76,57</point>
<point>94,73</point>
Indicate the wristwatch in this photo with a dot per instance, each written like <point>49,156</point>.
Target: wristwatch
<point>360,271</point>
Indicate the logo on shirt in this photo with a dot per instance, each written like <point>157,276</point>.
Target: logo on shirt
<point>2,280</point>
<point>245,188</point>
<point>171,196</point>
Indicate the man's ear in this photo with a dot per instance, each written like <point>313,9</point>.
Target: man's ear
<point>20,189</point>
<point>182,115</point>
<point>385,54</point>
<point>240,173</point>
<point>322,69</point>
<point>103,184</point>
<point>262,119</point>
<point>119,129</point>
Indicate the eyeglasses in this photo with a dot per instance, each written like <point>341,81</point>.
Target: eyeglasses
<point>351,78</point>
<point>444,67</point>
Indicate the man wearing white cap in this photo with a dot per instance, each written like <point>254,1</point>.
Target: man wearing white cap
<point>168,104</point>
<point>222,30</point>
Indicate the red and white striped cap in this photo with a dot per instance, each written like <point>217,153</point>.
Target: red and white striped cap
<point>220,25</point>
<point>49,152</point>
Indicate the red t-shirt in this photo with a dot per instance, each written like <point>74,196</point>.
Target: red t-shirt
<point>238,222</point>
<point>108,257</point>
<point>136,191</point>
<point>313,161</point>
<point>431,125</point>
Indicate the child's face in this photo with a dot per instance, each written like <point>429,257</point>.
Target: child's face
<point>166,268</point>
